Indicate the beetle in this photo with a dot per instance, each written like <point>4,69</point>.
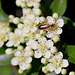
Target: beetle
<point>45,26</point>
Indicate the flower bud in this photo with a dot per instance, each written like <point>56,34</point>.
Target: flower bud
<point>53,50</point>
<point>23,5</point>
<point>55,38</point>
<point>20,47</point>
<point>22,40</point>
<point>42,19</point>
<point>11,17</point>
<point>72,73</point>
<point>9,51</point>
<point>18,2</point>
<point>63,71</point>
<point>16,20</point>
<point>41,31</point>
<point>8,29</point>
<point>30,53</point>
<point>44,69</point>
<point>55,15</point>
<point>20,71</point>
<point>44,60</point>
<point>37,36</point>
<point>28,66</point>
<point>20,26</point>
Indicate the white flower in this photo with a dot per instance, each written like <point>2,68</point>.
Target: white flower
<point>14,38</point>
<point>43,48</point>
<point>56,63</point>
<point>14,61</point>
<point>55,27</point>
<point>26,64</point>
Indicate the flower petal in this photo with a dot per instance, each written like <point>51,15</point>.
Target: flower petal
<point>59,31</point>
<point>50,20</point>
<point>60,22</point>
<point>50,67</point>
<point>47,54</point>
<point>49,43</point>
<point>22,66</point>
<point>64,63</point>
<point>57,71</point>
<point>28,60</point>
<point>37,54</point>
<point>9,44</point>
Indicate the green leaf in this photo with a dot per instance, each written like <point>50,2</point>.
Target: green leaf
<point>52,73</point>
<point>5,59</point>
<point>3,16</point>
<point>7,70</point>
<point>59,6</point>
<point>71,53</point>
<point>71,59</point>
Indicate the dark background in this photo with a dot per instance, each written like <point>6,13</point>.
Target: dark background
<point>10,7</point>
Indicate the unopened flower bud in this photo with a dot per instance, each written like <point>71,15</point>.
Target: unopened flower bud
<point>11,17</point>
<point>63,71</point>
<point>44,69</point>
<point>9,51</point>
<point>20,26</point>
<point>20,47</point>
<point>55,15</point>
<point>41,31</point>
<point>72,73</point>
<point>55,38</point>
<point>44,60</point>
<point>23,5</point>
<point>16,20</point>
<point>37,36</point>
<point>20,71</point>
<point>30,53</point>
<point>18,2</point>
<point>53,50</point>
<point>22,40</point>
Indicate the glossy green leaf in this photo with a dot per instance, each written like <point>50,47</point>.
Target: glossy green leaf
<point>3,16</point>
<point>5,59</point>
<point>52,73</point>
<point>71,53</point>
<point>59,6</point>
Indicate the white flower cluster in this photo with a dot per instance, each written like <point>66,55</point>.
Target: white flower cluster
<point>39,34</point>
<point>4,30</point>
